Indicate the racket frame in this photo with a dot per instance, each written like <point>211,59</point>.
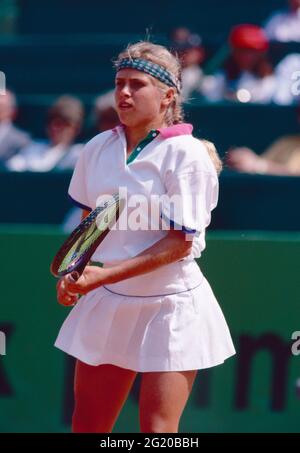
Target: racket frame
<point>79,264</point>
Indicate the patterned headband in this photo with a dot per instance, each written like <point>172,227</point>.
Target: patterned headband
<point>155,70</point>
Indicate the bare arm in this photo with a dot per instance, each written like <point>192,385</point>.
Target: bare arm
<point>171,248</point>
<point>269,167</point>
<point>245,160</point>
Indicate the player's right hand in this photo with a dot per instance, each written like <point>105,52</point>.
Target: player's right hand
<point>64,297</point>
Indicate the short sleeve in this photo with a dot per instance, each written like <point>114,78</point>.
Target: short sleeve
<point>78,186</point>
<point>191,194</point>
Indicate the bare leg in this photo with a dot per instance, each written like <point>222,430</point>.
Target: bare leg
<point>163,396</point>
<point>100,393</point>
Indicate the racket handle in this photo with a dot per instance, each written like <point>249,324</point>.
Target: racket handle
<point>75,275</point>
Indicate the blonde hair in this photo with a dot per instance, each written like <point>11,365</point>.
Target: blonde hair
<point>213,154</point>
<point>159,55</point>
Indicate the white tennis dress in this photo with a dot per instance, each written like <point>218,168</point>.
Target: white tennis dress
<point>167,319</point>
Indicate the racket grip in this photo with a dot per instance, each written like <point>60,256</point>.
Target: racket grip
<point>75,275</point>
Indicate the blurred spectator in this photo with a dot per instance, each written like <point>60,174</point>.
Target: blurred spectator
<point>59,152</point>
<point>12,139</point>
<point>281,158</point>
<point>191,53</point>
<point>105,118</point>
<point>284,25</point>
<point>247,75</point>
<point>105,113</point>
<point>288,80</point>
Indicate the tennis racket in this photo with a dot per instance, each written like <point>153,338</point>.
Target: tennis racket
<point>77,250</point>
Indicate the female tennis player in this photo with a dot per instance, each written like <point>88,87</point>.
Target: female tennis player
<point>149,309</point>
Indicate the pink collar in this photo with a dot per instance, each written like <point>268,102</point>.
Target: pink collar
<point>171,131</point>
<point>175,130</point>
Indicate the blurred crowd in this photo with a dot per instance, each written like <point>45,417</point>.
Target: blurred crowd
<point>60,150</point>
<point>241,71</point>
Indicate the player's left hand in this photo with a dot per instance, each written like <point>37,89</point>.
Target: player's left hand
<point>92,277</point>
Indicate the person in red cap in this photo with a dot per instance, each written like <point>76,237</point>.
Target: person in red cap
<point>250,37</point>
<point>247,75</point>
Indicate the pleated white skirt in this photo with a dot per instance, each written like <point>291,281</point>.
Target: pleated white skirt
<point>175,332</point>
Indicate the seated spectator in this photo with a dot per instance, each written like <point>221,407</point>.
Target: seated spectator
<point>284,25</point>
<point>105,118</point>
<point>105,113</point>
<point>189,49</point>
<point>247,75</point>
<point>281,158</point>
<point>288,80</point>
<point>12,139</point>
<point>59,152</point>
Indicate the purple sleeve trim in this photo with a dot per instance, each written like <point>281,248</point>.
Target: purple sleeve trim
<point>79,205</point>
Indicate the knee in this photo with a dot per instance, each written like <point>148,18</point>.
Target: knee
<point>158,424</point>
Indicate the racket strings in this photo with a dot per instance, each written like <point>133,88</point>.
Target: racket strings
<point>95,225</point>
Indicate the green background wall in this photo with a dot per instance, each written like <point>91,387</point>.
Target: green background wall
<point>256,279</point>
